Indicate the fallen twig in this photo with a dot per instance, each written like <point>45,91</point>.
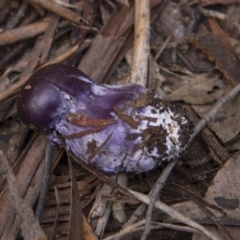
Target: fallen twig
<point>153,196</point>
<point>139,71</point>
<point>210,116</point>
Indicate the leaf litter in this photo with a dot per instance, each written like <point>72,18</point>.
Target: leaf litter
<point>192,63</point>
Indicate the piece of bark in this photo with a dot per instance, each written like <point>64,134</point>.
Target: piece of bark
<point>226,61</point>
<point>24,32</point>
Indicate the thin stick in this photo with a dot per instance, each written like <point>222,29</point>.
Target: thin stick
<point>174,214</point>
<point>210,116</point>
<point>139,71</point>
<point>102,221</point>
<point>118,207</point>
<point>130,229</point>
<point>160,183</point>
<point>17,16</point>
<point>59,10</point>
<point>220,16</point>
<point>57,213</point>
<point>47,170</point>
<point>162,47</point>
<point>138,227</point>
<point>153,196</point>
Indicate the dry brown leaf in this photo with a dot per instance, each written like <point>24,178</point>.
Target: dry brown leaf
<point>226,124</point>
<point>199,89</point>
<point>226,61</point>
<point>224,193</point>
<point>116,38</point>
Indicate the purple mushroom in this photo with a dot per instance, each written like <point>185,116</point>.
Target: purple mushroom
<point>113,128</point>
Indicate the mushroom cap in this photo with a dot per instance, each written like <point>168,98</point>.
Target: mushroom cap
<point>41,102</point>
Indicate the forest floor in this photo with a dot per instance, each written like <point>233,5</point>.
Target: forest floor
<point>185,51</point>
